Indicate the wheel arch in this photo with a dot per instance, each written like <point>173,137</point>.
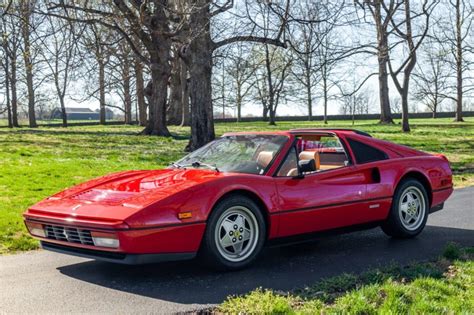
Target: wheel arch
<point>252,196</point>
<point>422,178</point>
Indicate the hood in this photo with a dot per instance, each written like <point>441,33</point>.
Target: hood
<point>131,187</point>
<point>117,196</point>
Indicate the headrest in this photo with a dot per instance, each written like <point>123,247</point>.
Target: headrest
<point>308,155</point>
<point>311,155</point>
<point>264,158</point>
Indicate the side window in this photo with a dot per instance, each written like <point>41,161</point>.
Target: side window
<point>365,153</point>
<point>290,165</point>
<point>326,151</point>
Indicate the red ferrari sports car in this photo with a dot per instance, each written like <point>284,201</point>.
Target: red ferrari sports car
<point>226,200</point>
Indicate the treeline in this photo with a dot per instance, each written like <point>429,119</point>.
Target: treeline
<point>165,62</point>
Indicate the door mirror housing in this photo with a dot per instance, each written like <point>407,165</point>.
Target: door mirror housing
<point>306,166</point>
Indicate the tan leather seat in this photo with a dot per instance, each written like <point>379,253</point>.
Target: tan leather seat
<point>311,155</point>
<point>264,158</point>
<point>292,172</point>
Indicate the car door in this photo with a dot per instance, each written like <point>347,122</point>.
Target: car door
<point>322,200</point>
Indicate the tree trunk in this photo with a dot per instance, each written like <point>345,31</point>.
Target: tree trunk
<point>271,91</point>
<point>160,74</point>
<point>405,124</point>
<point>200,70</point>
<point>459,57</point>
<point>63,111</point>
<point>25,15</point>
<point>14,100</point>
<point>239,103</point>
<point>272,120</point>
<point>265,113</point>
<point>7,87</point>
<point>309,97</point>
<point>101,65</point>
<point>127,97</point>
<point>385,112</point>
<point>61,99</point>
<point>175,106</point>
<point>382,56</point>
<point>325,95</point>
<point>140,92</point>
<point>185,119</point>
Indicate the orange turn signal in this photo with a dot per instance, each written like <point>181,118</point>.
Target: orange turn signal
<point>185,215</point>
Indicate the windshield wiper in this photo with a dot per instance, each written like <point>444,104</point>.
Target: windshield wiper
<point>177,165</point>
<point>197,164</point>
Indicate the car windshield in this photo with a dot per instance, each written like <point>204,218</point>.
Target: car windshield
<point>251,154</point>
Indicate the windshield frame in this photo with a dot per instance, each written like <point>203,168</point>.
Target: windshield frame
<point>282,148</point>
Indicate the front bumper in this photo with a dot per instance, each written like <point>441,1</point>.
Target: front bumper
<point>136,246</point>
<point>116,257</point>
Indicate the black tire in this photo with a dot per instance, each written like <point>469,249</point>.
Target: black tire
<point>210,252</point>
<point>394,225</point>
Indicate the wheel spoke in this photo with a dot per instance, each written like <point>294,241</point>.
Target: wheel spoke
<point>238,247</point>
<point>246,235</point>
<point>228,225</point>
<point>226,241</point>
<point>240,221</point>
<point>404,207</point>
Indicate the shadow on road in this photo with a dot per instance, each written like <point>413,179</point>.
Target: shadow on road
<point>281,268</point>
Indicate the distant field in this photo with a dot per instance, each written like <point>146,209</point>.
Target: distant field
<point>35,163</point>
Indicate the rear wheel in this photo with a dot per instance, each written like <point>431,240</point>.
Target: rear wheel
<point>409,211</point>
<point>235,233</point>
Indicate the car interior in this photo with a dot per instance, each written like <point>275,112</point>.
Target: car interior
<point>326,151</point>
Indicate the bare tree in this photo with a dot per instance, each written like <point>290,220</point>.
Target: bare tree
<point>59,54</point>
<point>272,73</point>
<point>403,29</point>
<point>11,43</point>
<point>317,49</point>
<point>95,39</point>
<point>140,90</point>
<point>178,107</point>
<point>456,36</point>
<point>26,12</point>
<point>382,14</point>
<point>431,77</point>
<point>240,71</point>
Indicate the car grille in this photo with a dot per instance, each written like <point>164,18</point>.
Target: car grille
<point>68,234</point>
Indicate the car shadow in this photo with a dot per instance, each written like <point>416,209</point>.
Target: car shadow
<point>278,268</point>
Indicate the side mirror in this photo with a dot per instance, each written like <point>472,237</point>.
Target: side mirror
<point>306,166</point>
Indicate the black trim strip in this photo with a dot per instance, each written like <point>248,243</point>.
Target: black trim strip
<point>330,205</point>
<point>116,257</point>
<point>313,236</point>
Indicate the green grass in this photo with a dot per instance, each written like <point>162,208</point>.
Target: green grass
<point>441,287</point>
<point>35,163</point>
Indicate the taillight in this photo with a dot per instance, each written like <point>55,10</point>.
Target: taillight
<point>35,229</point>
<point>104,239</point>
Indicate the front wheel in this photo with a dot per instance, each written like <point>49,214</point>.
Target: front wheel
<point>409,211</point>
<point>235,233</point>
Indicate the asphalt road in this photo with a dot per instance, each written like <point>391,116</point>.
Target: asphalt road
<point>44,282</point>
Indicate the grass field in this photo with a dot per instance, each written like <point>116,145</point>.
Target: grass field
<point>444,286</point>
<point>35,163</point>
